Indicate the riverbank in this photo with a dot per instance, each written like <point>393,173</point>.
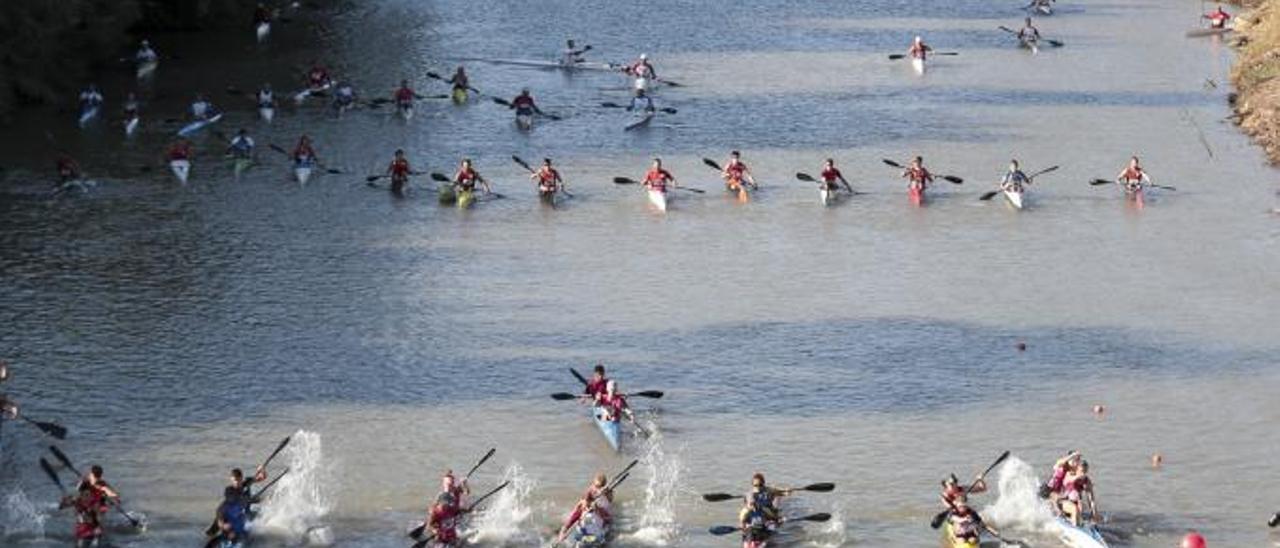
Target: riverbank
<point>1257,98</point>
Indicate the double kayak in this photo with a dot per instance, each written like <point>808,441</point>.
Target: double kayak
<point>199,125</point>
<point>949,539</point>
<point>1087,536</point>
<point>611,430</point>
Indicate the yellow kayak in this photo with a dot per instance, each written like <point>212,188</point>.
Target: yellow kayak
<point>466,198</point>
<point>459,95</point>
<point>949,539</point>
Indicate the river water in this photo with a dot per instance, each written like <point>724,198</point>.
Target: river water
<point>179,331</point>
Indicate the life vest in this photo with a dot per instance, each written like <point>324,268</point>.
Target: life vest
<point>466,179</point>
<point>400,168</point>
<point>918,174</point>
<point>1131,174</point>
<point>735,170</point>
<point>656,179</point>
<point>547,178</point>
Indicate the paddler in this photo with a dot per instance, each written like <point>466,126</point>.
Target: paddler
<point>145,54</point>
<point>1076,491</point>
<point>1132,177</point>
<point>457,490</point>
<point>244,486</point>
<point>571,55</point>
<point>442,520</point>
<point>756,523</point>
<point>642,68</point>
<point>1218,19</point>
<point>467,177</point>
<point>461,83</point>
<point>917,176</point>
<point>830,175</point>
<point>89,504</point>
<point>918,49</point>
<point>1014,179</point>
<point>404,95</point>
<point>524,106</point>
<point>765,498</point>
<point>953,491</point>
<point>232,518</point>
<point>266,98</point>
<point>736,172</point>
<point>658,178</point>
<point>344,96</point>
<point>202,109</point>
<point>592,513</point>
<point>1053,486</point>
<point>1029,34</point>
<point>596,385</point>
<point>303,155</point>
<point>548,179</point>
<point>641,101</point>
<point>318,76</point>
<point>966,524</point>
<point>261,14</point>
<point>614,403</point>
<point>180,150</point>
<point>241,146</point>
<point>68,169</point>
<point>90,98</point>
<point>399,171</point>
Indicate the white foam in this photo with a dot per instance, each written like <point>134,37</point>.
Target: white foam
<point>20,517</point>
<point>1018,505</point>
<point>296,507</point>
<point>503,518</point>
<point>656,518</point>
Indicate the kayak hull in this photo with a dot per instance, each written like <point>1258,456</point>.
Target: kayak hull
<point>181,170</point>
<point>459,96</point>
<point>241,165</point>
<point>949,539</point>
<point>658,199</point>
<point>147,68</point>
<point>466,199</point>
<point>302,174</point>
<point>1014,197</point>
<point>406,112</point>
<point>262,31</point>
<point>88,115</point>
<point>915,196</point>
<point>446,196</point>
<point>131,126</point>
<point>639,122</point>
<point>198,125</point>
<point>828,196</point>
<point>611,430</point>
<point>267,114</point>
<point>524,122</point>
<point>917,64</point>
<point>1078,537</point>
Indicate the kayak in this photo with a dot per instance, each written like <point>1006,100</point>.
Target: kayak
<point>739,189</point>
<point>466,198</point>
<point>131,126</point>
<point>604,67</point>
<point>446,195</point>
<point>267,113</point>
<point>828,195</point>
<point>147,68</point>
<point>302,173</point>
<point>198,125</point>
<point>611,430</point>
<point>88,114</point>
<point>1014,197</point>
<point>524,121</point>
<point>596,538</point>
<point>641,120</point>
<point>459,96</point>
<point>1135,196</point>
<point>641,84</point>
<point>1031,44</point>
<point>239,166</point>
<point>547,197</point>
<point>1044,9</point>
<point>658,198</point>
<point>1207,32</point>
<point>949,539</point>
<point>302,95</point>
<point>181,169</point>
<point>406,111</point>
<point>262,30</point>
<point>917,64</point>
<point>915,196</point>
<point>1078,537</point>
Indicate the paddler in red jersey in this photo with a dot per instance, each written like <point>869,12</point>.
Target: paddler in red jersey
<point>830,175</point>
<point>657,178</point>
<point>597,385</point>
<point>953,491</point>
<point>404,95</point>
<point>180,150</point>
<point>917,176</point>
<point>318,76</point>
<point>1132,177</point>
<point>614,403</point>
<point>736,172</point>
<point>442,520</point>
<point>68,169</point>
<point>1218,19</point>
<point>596,503</point>
<point>642,68</point>
<point>399,171</point>
<point>549,181</point>
<point>966,524</point>
<point>918,49</point>
<point>456,489</point>
<point>1077,491</point>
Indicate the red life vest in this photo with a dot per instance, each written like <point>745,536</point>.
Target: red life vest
<point>656,179</point>
<point>400,168</point>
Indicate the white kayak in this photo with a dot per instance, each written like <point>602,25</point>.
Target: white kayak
<point>147,68</point>
<point>199,125</point>
<point>1014,197</point>
<point>641,83</point>
<point>267,113</point>
<point>406,111</point>
<point>639,121</point>
<point>1078,537</point>
<point>524,121</point>
<point>302,95</point>
<point>827,195</point>
<point>658,198</point>
<point>88,114</point>
<point>131,125</point>
<point>917,64</point>
<point>302,174</point>
<point>1033,45</point>
<point>181,169</point>
<point>262,30</point>
<point>1044,9</point>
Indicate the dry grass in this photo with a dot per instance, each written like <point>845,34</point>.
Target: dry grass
<point>1257,103</point>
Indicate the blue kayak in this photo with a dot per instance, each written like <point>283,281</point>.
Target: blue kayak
<point>611,430</point>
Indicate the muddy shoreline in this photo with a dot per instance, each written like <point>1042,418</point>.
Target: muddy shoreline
<point>1256,101</point>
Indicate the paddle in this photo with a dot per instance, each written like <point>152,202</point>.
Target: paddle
<point>286,154</point>
<point>269,484</point>
<point>480,462</point>
<point>575,372</point>
<point>810,179</point>
<point>990,194</point>
<point>536,110</point>
<point>896,56</point>
<point>1099,182</point>
<point>565,396</point>
<point>937,520</point>
<point>667,110</point>
<point>1054,43</point>
<point>526,166</point>
<point>416,532</point>
<point>57,431</point>
<point>948,178</point>
<point>721,530</point>
<point>443,79</point>
<point>617,480</point>
<point>626,181</point>
<point>48,470</point>
<point>62,457</point>
<point>814,487</point>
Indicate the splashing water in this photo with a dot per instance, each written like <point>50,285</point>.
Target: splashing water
<point>657,517</point>
<point>503,517</point>
<point>832,533</point>
<point>1019,505</point>
<point>20,517</point>
<point>296,507</point>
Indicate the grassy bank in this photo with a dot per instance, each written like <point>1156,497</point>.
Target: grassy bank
<point>1257,97</point>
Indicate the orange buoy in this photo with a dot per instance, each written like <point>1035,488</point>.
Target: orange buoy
<point>1193,540</point>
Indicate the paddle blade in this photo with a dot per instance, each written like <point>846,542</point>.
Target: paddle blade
<point>563,396</point>
<point>279,448</point>
<point>711,164</point>
<point>655,394</point>
<point>501,101</point>
<point>610,105</point>
<point>953,179</point>
<point>988,195</point>
<point>693,190</point>
<point>48,470</point>
<point>1099,182</point>
<point>57,431</point>
<point>994,464</point>
<point>439,177</point>
<point>1056,43</point>
<point>820,517</point>
<point>372,178</point>
<point>820,487</point>
<point>479,463</point>
<point>669,110</point>
<point>938,518</point>
<point>718,497</point>
<point>896,56</point>
<point>890,163</point>
<point>434,75</point>
<point>1049,169</point>
<point>722,530</point>
<point>62,457</point>
<point>277,148</point>
<point>623,181</point>
<point>806,177</point>
<point>416,532</point>
<point>575,372</point>
<point>519,161</point>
